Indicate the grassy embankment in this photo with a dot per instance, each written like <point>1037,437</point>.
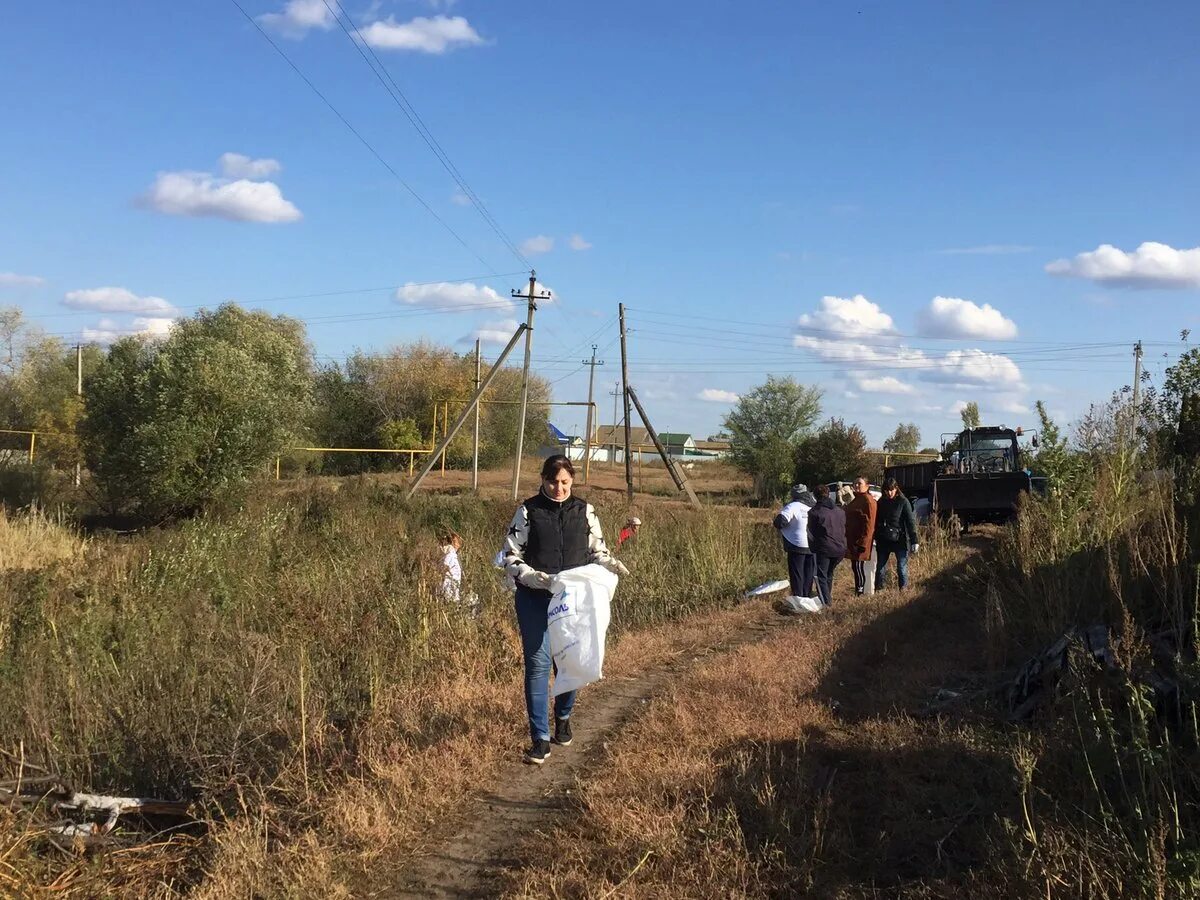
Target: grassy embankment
<point>813,764</point>
<point>289,668</point>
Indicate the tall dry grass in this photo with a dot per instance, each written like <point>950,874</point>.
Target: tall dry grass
<point>291,669</point>
<point>35,540</point>
<point>1111,765</point>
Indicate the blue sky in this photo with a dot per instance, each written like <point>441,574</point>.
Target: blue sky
<point>771,188</point>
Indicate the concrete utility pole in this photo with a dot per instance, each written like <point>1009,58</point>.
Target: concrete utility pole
<point>532,297</point>
<point>677,475</point>
<point>625,382</point>
<point>78,393</point>
<point>1137,390</point>
<point>475,452</point>
<point>467,410</point>
<point>587,447</point>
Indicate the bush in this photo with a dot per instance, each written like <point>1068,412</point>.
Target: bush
<point>173,424</point>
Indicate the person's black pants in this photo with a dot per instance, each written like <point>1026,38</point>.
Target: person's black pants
<point>801,569</point>
<point>825,567</point>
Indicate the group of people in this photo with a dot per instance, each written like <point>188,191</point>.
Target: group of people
<point>554,530</point>
<point>818,532</point>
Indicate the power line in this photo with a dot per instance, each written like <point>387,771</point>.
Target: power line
<point>398,97</point>
<point>295,68</point>
<point>280,299</point>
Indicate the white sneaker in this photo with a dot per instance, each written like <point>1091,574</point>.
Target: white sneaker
<point>810,604</point>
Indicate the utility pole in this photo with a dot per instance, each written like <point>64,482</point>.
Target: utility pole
<point>452,430</point>
<point>78,393</point>
<point>625,383</point>
<point>587,446</point>
<point>614,393</point>
<point>532,297</point>
<point>677,475</point>
<point>475,452</point>
<point>1137,390</point>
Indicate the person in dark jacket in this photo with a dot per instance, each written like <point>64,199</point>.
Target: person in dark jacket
<point>551,532</point>
<point>895,533</point>
<point>792,524</point>
<point>860,532</point>
<point>826,540</point>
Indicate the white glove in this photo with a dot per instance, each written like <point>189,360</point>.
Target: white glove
<point>614,565</point>
<point>532,578</point>
<point>916,549</point>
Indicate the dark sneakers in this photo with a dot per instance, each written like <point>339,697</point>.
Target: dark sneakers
<point>538,753</point>
<point>562,732</point>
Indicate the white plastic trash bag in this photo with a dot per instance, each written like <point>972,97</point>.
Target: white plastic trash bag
<point>577,620</point>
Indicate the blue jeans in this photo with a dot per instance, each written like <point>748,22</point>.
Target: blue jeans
<point>901,553</point>
<point>532,607</point>
<point>825,567</point>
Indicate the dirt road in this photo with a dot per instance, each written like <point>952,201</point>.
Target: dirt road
<point>525,799</point>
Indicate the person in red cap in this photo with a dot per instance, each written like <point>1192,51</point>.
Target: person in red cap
<point>629,531</point>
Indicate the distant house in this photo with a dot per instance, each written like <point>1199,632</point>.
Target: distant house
<point>677,444</point>
<point>614,435</point>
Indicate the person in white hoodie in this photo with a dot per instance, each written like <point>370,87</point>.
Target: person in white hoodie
<point>792,523</point>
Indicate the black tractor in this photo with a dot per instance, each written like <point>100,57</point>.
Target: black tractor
<point>979,478</point>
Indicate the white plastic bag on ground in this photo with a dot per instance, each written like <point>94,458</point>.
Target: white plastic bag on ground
<point>578,621</point>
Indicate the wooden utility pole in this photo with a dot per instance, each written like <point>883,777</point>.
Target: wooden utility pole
<point>625,383</point>
<point>467,410</point>
<point>615,393</point>
<point>475,451</point>
<point>532,297</point>
<point>78,394</point>
<point>587,446</point>
<point>677,475</point>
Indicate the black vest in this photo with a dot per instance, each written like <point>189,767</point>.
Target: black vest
<point>558,534</point>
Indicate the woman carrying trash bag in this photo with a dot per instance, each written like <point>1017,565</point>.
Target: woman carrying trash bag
<point>551,532</point>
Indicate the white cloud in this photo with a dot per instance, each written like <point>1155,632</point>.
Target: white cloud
<point>12,279</point>
<point>849,317</point>
<point>987,250</point>
<point>952,317</point>
<point>108,331</point>
<point>958,407</point>
<point>1151,265</point>
<point>716,395</point>
<point>116,300</point>
<point>991,371</point>
<point>458,198</point>
<point>424,34</point>
<point>884,384</point>
<point>491,332</point>
<point>1009,405</point>
<point>885,410</point>
<point>537,244</point>
<point>203,194</point>
<point>464,295</point>
<point>237,165</point>
<point>576,242</point>
<point>860,353</point>
<point>298,17</point>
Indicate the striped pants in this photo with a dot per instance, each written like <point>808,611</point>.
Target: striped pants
<point>859,568</point>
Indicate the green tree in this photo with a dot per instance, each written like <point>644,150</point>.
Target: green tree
<point>837,452</point>
<point>171,424</point>
<point>764,428</point>
<point>970,415</point>
<point>400,434</point>
<point>905,439</point>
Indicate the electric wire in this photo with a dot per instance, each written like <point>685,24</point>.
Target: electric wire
<point>380,71</point>
<point>295,68</point>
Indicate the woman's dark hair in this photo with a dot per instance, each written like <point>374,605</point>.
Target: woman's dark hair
<point>555,464</point>
<point>821,491</point>
<point>892,484</point>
